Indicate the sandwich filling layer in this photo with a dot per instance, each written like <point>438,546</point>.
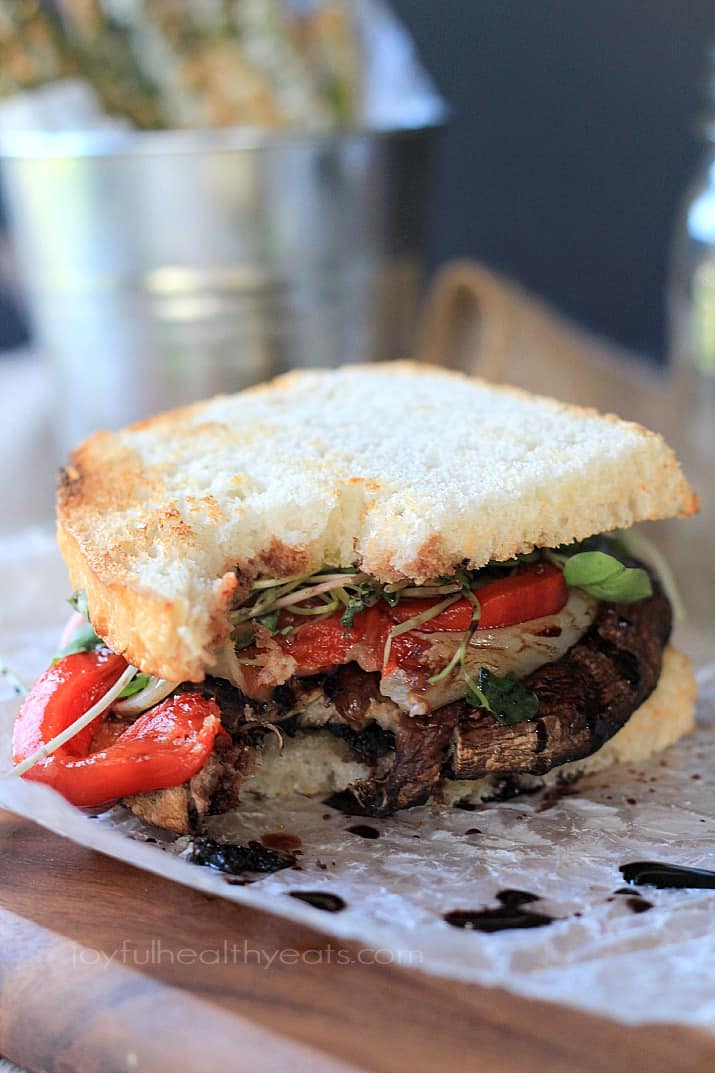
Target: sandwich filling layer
<point>314,762</point>
<point>512,670</point>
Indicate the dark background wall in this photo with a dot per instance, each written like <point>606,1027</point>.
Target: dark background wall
<point>13,330</point>
<point>571,144</point>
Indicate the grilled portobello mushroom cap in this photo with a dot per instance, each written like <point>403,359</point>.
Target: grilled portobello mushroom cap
<point>584,699</point>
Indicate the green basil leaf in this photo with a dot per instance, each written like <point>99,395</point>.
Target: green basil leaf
<point>606,578</point>
<point>244,640</point>
<point>630,587</point>
<point>348,616</point>
<point>506,698</point>
<point>83,640</point>
<point>270,621</point>
<point>356,602</point>
<point>475,696</point>
<point>591,568</point>
<point>139,681</point>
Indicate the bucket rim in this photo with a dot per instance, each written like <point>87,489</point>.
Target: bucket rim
<point>24,145</point>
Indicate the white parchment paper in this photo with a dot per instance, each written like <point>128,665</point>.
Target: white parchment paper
<point>657,965</point>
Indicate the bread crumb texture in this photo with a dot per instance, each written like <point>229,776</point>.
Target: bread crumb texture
<point>405,469</point>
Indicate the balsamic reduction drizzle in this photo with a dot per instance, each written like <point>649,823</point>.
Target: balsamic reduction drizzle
<point>509,915</point>
<point>235,859</point>
<point>281,840</point>
<point>320,899</point>
<point>639,905</point>
<point>514,899</point>
<point>663,875</point>
<point>363,830</point>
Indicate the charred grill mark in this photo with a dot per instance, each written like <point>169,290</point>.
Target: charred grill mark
<point>626,662</point>
<point>588,700</point>
<point>542,736</point>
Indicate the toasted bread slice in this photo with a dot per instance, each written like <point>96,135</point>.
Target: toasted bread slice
<point>405,469</point>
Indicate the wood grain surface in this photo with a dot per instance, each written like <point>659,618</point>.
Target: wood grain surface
<point>105,969</point>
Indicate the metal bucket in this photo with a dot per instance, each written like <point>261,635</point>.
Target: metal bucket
<point>163,267</point>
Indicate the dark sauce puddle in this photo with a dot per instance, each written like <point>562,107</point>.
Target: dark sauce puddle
<point>514,899</point>
<point>281,840</point>
<point>639,905</point>
<point>634,901</point>
<point>320,899</point>
<point>235,858</point>
<point>663,875</point>
<point>509,915</point>
<point>363,830</point>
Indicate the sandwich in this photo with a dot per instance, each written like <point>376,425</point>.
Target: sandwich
<point>383,585</point>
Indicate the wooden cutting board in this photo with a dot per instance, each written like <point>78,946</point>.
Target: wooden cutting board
<point>104,968</point>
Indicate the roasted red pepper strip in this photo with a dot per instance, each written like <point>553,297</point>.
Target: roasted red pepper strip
<point>164,747</point>
<point>66,690</point>
<point>533,592</point>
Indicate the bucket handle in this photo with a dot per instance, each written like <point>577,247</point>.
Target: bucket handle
<point>464,321</point>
